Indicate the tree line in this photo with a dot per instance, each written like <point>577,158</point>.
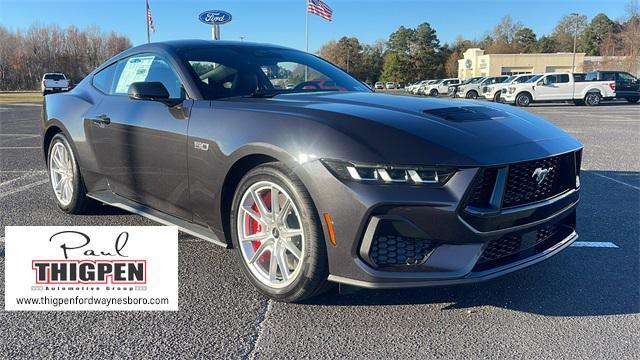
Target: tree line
<point>412,54</point>
<point>26,55</point>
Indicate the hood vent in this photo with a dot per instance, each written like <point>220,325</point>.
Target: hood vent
<point>467,113</point>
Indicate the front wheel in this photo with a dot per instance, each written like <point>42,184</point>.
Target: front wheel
<point>472,95</point>
<point>592,99</point>
<point>434,93</point>
<point>278,235</point>
<point>523,99</point>
<point>496,97</point>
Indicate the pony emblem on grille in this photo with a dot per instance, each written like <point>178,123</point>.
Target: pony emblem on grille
<point>540,174</point>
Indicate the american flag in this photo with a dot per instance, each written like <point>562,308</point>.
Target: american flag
<point>150,18</point>
<point>319,8</point>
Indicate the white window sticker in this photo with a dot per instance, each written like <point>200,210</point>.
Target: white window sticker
<point>100,268</point>
<point>135,70</point>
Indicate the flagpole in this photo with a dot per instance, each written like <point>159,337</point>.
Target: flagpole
<point>146,16</point>
<point>306,35</point>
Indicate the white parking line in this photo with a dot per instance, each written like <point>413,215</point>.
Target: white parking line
<point>612,179</point>
<point>22,171</point>
<point>23,188</point>
<point>25,135</point>
<point>594,244</point>
<point>18,147</point>
<point>22,177</point>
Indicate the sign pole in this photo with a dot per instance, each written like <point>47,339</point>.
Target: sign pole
<point>306,35</point>
<point>146,18</point>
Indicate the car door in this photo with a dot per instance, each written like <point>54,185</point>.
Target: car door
<point>140,145</point>
<point>547,89</point>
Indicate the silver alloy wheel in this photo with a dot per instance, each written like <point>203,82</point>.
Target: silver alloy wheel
<point>523,100</point>
<point>61,170</point>
<point>270,234</point>
<point>592,99</point>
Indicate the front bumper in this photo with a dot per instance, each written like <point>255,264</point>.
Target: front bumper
<point>459,236</point>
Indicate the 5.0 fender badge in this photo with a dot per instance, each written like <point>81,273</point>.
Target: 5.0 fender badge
<point>198,145</point>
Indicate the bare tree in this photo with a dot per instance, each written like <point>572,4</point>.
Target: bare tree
<point>26,55</point>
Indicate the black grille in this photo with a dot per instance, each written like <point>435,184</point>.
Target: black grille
<point>390,250</point>
<point>522,186</point>
<point>480,194</point>
<point>513,244</point>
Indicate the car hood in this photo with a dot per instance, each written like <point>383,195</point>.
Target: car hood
<point>417,130</point>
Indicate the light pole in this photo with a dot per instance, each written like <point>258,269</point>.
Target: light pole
<point>575,40</point>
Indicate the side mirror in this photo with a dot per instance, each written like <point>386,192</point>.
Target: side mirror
<point>540,83</point>
<point>152,91</point>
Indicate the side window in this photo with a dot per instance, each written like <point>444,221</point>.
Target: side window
<point>608,76</point>
<point>626,77</point>
<point>104,79</point>
<point>563,78</point>
<point>549,79</point>
<point>146,68</point>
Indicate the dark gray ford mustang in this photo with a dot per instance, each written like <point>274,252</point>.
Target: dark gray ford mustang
<point>310,175</point>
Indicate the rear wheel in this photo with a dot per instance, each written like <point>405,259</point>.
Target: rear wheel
<point>64,174</point>
<point>472,94</point>
<point>523,99</point>
<point>278,235</point>
<point>496,97</point>
<point>434,93</point>
<point>592,99</point>
<point>632,99</point>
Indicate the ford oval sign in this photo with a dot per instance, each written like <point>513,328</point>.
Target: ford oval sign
<point>214,17</point>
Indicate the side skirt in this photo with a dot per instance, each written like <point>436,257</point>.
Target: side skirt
<point>114,200</point>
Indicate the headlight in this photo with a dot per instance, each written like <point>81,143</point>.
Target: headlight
<point>389,174</point>
<point>512,90</point>
<point>460,88</point>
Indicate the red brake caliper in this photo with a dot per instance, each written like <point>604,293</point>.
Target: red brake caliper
<point>255,227</point>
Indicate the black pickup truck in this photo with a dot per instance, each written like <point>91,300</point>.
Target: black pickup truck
<point>627,86</point>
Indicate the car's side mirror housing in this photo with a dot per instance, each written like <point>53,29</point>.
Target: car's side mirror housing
<point>151,91</point>
<point>540,83</point>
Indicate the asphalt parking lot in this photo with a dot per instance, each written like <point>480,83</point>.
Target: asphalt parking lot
<point>583,303</point>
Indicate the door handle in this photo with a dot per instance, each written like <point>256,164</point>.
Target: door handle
<point>101,119</point>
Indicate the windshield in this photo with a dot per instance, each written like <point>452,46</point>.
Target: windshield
<point>238,71</point>
<point>534,79</point>
<point>477,80</point>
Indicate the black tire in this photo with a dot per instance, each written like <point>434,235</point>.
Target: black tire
<point>592,99</point>
<point>80,203</point>
<point>523,99</point>
<point>496,97</point>
<point>312,279</point>
<point>434,93</point>
<point>472,95</point>
<point>632,100</point>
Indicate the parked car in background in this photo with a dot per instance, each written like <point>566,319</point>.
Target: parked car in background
<point>474,90</point>
<point>53,83</point>
<point>492,92</point>
<point>390,85</point>
<point>440,87</point>
<point>379,85</point>
<point>553,87</point>
<point>420,90</point>
<point>453,88</point>
<point>626,85</point>
<point>415,85</point>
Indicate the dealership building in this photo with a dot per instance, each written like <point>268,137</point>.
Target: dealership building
<point>476,63</point>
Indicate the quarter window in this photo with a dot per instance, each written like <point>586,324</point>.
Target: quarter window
<point>104,79</point>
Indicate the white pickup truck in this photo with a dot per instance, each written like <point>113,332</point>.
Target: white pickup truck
<point>440,87</point>
<point>492,92</point>
<point>553,87</point>
<point>474,89</point>
<point>54,82</point>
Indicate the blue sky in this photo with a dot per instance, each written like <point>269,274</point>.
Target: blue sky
<point>282,21</point>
